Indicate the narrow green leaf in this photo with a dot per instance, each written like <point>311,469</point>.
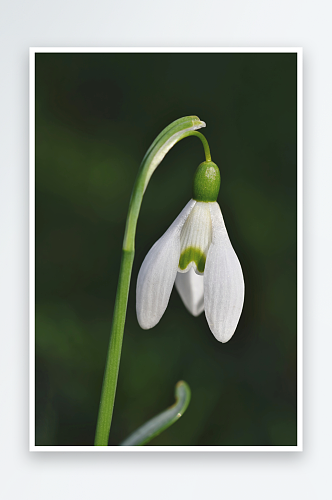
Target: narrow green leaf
<point>157,424</point>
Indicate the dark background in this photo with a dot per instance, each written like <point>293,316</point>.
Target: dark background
<point>96,115</point>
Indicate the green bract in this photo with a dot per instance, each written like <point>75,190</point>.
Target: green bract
<point>206,182</point>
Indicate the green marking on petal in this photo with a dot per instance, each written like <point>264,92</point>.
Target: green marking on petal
<point>192,254</point>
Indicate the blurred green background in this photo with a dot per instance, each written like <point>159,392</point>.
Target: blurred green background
<point>96,115</point>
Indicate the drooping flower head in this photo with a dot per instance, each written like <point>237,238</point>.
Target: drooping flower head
<point>196,254</point>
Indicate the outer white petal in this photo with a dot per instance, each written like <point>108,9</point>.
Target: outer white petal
<point>223,281</point>
<point>158,271</point>
<point>191,290</point>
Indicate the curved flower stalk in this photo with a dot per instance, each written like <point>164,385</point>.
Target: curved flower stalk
<point>196,254</point>
<point>176,131</point>
<point>161,422</point>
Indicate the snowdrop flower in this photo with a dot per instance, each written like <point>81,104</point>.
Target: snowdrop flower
<point>196,254</point>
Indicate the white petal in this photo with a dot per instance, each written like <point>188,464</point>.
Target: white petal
<point>191,290</point>
<point>195,239</point>
<point>223,281</point>
<point>158,271</point>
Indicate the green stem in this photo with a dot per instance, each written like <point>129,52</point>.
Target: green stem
<point>114,351</point>
<point>184,127</point>
<point>204,142</point>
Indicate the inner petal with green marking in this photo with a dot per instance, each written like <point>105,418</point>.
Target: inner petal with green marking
<point>195,239</point>
<point>192,254</point>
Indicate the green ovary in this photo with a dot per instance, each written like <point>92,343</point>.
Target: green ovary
<point>192,254</point>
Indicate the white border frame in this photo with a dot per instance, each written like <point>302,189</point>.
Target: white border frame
<point>299,52</point>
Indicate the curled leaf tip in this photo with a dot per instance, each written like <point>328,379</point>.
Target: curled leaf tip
<point>156,425</point>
